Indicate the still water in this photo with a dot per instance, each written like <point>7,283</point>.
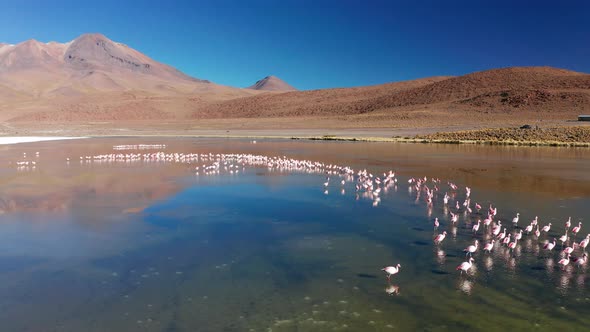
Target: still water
<point>136,245</point>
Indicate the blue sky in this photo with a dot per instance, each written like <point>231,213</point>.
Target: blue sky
<point>320,44</point>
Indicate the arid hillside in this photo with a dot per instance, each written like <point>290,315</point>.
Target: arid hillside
<point>93,78</point>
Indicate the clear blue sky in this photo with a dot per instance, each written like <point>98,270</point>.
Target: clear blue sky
<point>320,44</point>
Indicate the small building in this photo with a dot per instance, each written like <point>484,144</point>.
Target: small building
<point>583,117</point>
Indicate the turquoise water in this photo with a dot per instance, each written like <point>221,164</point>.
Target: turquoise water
<point>137,246</point>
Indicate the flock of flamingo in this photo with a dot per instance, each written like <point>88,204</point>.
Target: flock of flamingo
<point>482,221</point>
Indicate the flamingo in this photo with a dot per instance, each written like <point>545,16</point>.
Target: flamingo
<point>489,246</point>
<point>440,237</point>
<point>507,239</point>
<point>581,261</point>
<point>564,262</point>
<point>457,205</point>
<point>529,228</point>
<point>454,217</point>
<point>502,235</point>
<point>550,245</point>
<point>465,265</point>
<point>477,207</point>
<point>584,242</point>
<point>546,228</point>
<point>512,244</point>
<point>518,236</point>
<point>537,232</point>
<point>476,227</point>
<point>487,221</point>
<point>568,250</point>
<point>563,238</point>
<point>391,270</point>
<point>471,249</point>
<point>496,230</point>
<point>436,223</point>
<point>535,221</point>
<point>576,229</point>
<point>515,219</point>
<point>568,223</point>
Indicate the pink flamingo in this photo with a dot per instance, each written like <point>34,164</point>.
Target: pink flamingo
<point>512,244</point>
<point>476,227</point>
<point>454,217</point>
<point>518,236</point>
<point>496,230</point>
<point>546,228</point>
<point>584,242</point>
<point>537,232</point>
<point>440,237</point>
<point>529,228</point>
<point>391,270</point>
<point>581,261</point>
<point>564,262</point>
<point>436,223</point>
<point>489,246</point>
<point>507,239</point>
<point>535,221</point>
<point>465,265</point>
<point>502,235</point>
<point>471,249</point>
<point>487,221</point>
<point>568,250</point>
<point>568,223</point>
<point>477,207</point>
<point>550,245</point>
<point>576,229</point>
<point>515,219</point>
<point>563,238</point>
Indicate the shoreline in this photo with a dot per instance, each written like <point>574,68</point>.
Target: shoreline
<point>7,140</point>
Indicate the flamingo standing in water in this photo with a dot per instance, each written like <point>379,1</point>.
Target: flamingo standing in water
<point>564,262</point>
<point>507,239</point>
<point>436,223</point>
<point>477,207</point>
<point>518,236</point>
<point>550,245</point>
<point>502,235</point>
<point>537,232</point>
<point>512,244</point>
<point>568,223</point>
<point>546,228</point>
<point>535,221</point>
<point>568,250</point>
<point>515,219</point>
<point>471,249</point>
<point>577,229</point>
<point>465,265</point>
<point>487,221</point>
<point>529,228</point>
<point>496,230</point>
<point>584,242</point>
<point>563,238</point>
<point>440,237</point>
<point>489,246</point>
<point>454,217</point>
<point>581,261</point>
<point>476,227</point>
<point>391,270</point>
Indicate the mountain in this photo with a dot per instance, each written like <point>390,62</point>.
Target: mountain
<point>506,95</point>
<point>93,77</point>
<point>272,83</point>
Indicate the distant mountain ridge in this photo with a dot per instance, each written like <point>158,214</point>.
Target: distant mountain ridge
<point>93,78</point>
<point>272,83</point>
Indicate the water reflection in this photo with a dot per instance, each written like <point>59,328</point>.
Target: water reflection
<point>229,246</point>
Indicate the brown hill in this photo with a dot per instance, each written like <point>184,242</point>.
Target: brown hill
<point>272,83</point>
<point>498,93</point>
<point>93,77</point>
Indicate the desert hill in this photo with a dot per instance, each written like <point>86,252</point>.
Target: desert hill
<point>93,78</point>
<point>272,83</point>
<point>526,91</point>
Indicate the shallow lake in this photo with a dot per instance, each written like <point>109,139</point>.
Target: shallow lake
<point>193,239</point>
